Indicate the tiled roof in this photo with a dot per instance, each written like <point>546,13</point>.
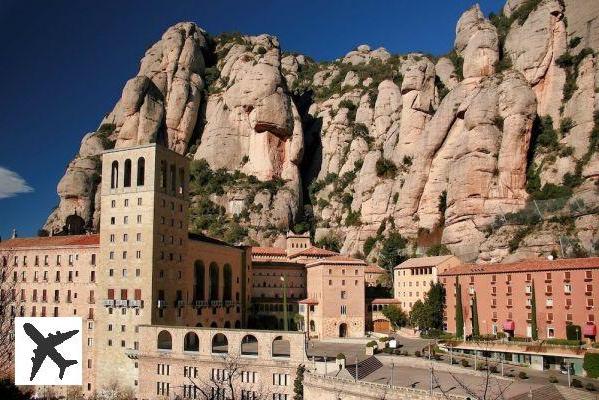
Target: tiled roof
<point>275,251</point>
<point>51,241</point>
<point>339,259</point>
<point>385,301</point>
<point>375,269</point>
<point>540,264</point>
<point>314,251</point>
<point>423,262</point>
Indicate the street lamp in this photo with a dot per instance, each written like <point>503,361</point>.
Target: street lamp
<point>285,322</point>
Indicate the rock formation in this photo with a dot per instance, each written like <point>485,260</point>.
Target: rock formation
<point>489,151</point>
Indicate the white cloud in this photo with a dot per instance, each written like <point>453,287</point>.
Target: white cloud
<point>12,184</point>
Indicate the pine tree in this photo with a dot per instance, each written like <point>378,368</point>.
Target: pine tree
<point>298,383</point>
<point>533,311</point>
<point>475,327</point>
<point>459,313</point>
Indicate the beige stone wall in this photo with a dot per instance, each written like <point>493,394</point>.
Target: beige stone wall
<point>157,212</point>
<point>412,283</point>
<point>339,290</point>
<point>264,364</point>
<point>318,387</point>
<point>74,286</point>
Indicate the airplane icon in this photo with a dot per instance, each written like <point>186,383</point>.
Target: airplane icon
<point>46,347</point>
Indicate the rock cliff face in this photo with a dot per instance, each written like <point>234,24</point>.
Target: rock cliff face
<point>490,152</point>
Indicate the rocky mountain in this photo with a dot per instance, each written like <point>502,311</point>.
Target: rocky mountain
<point>490,152</point>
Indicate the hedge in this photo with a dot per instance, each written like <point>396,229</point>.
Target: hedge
<point>591,364</point>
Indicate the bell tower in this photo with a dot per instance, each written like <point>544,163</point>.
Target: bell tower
<point>143,233</point>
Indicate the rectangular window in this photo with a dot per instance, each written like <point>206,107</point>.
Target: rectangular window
<point>343,310</point>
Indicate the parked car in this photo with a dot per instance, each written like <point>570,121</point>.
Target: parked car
<point>563,368</point>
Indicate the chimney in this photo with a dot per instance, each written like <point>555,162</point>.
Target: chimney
<point>14,234</point>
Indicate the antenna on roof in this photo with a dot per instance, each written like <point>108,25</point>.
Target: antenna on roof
<point>14,234</point>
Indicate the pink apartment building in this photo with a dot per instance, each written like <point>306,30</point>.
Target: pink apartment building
<point>565,292</point>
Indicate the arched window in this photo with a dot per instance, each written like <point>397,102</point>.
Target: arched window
<point>191,342</point>
<point>114,175</point>
<point>141,171</point>
<point>213,325</point>
<point>163,174</point>
<point>213,281</point>
<point>199,278</point>
<point>181,180</point>
<point>127,177</point>
<point>220,344</point>
<point>249,346</point>
<point>228,281</point>
<point>173,178</point>
<point>281,347</point>
<point>199,325</point>
<point>227,324</point>
<point>237,324</point>
<point>165,341</point>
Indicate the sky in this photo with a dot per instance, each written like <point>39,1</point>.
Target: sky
<point>64,64</point>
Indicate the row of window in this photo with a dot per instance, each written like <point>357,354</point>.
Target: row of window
<point>125,220</point>
<point>44,312</point>
<point>588,275</point>
<point>342,271</point>
<point>342,282</point>
<point>34,297</point>
<point>548,289</point>
<point>45,276</point>
<point>548,302</point>
<point>114,173</point>
<point>71,259</point>
<point>416,271</point>
<point>417,283</point>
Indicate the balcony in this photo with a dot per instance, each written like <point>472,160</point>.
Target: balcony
<point>216,303</point>
<point>200,303</point>
<point>120,303</point>
<point>179,303</point>
<point>108,303</point>
<point>132,353</point>
<point>161,304</point>
<point>136,303</point>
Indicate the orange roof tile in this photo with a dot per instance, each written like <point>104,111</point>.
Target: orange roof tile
<point>51,241</point>
<point>339,259</point>
<point>314,251</point>
<point>268,251</point>
<point>375,269</point>
<point>540,264</point>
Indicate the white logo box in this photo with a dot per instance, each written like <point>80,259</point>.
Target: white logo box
<point>47,332</point>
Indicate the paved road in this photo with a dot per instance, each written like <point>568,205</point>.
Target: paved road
<point>352,350</point>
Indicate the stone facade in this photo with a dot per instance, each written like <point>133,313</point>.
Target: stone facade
<point>181,361</point>
<point>146,249</point>
<point>336,304</point>
<point>414,277</point>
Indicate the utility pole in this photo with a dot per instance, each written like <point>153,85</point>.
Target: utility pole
<point>392,369</point>
<point>569,378</point>
<point>475,360</point>
<point>502,356</point>
<point>285,322</point>
<point>356,369</point>
<point>325,364</point>
<point>450,355</point>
